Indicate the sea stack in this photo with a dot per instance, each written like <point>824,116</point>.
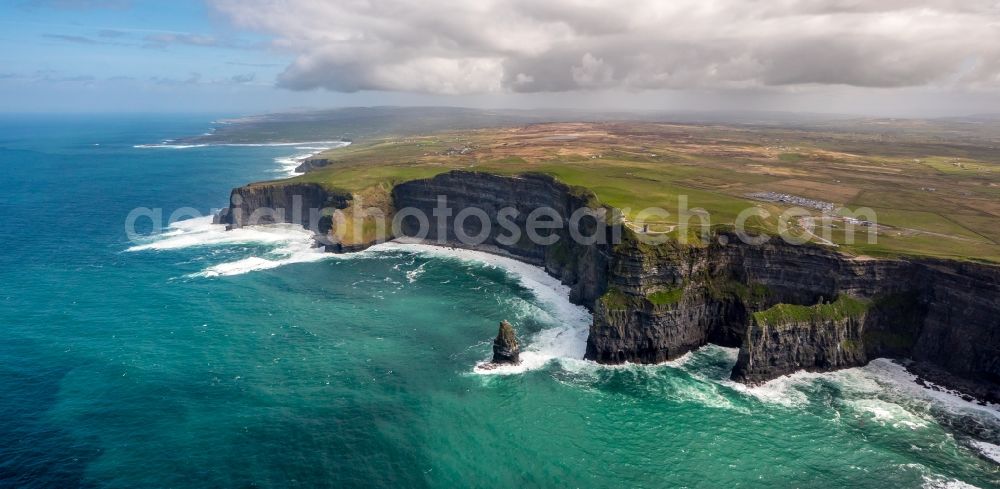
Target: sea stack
<point>505,348</point>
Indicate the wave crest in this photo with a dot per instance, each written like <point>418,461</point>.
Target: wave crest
<point>291,244</point>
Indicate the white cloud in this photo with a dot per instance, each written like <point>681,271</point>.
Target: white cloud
<point>493,46</point>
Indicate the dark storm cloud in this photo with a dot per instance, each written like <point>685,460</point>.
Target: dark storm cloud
<point>859,61</point>
<point>562,45</point>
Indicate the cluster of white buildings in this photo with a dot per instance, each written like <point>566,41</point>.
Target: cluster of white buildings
<point>826,207</point>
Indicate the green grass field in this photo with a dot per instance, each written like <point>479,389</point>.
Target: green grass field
<point>940,205</point>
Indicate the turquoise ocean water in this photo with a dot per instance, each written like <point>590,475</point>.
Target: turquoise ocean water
<point>199,358</point>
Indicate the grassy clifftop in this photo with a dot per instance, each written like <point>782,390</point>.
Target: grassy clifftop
<point>940,199</point>
<point>844,307</point>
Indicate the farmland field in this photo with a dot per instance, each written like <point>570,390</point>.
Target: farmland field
<point>940,200</point>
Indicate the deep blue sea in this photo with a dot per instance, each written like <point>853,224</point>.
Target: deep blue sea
<point>200,358</point>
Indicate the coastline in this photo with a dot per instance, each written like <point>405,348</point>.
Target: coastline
<point>290,164</point>
<point>173,144</point>
<point>548,289</point>
<point>884,368</point>
<point>542,349</point>
<point>337,368</point>
<point>565,342</point>
<point>287,165</point>
<point>911,300</point>
<point>880,377</point>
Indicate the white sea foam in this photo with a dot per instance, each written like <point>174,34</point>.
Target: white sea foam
<point>169,144</point>
<point>865,388</point>
<point>200,231</point>
<point>894,376</point>
<point>934,481</point>
<point>292,251</point>
<point>791,390</point>
<point>889,414</point>
<point>988,450</point>
<point>414,274</point>
<point>288,164</point>
<point>880,377</point>
<point>785,390</point>
<point>565,342</point>
<point>707,394</point>
<point>291,244</point>
<point>584,367</point>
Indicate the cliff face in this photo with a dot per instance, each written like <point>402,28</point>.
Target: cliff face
<point>650,313</point>
<point>583,267</point>
<point>960,331</point>
<point>268,203</point>
<point>944,315</point>
<point>785,339</point>
<point>311,164</point>
<point>782,305</point>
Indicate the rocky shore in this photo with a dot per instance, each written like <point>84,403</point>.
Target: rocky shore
<point>785,307</point>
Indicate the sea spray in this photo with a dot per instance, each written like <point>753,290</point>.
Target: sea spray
<point>288,243</point>
<point>566,342</point>
<point>288,165</point>
<point>114,374</point>
<point>882,393</point>
<point>170,144</point>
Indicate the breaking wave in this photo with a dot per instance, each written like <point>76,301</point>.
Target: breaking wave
<point>171,144</point>
<point>988,450</point>
<point>290,244</point>
<point>565,342</point>
<point>288,164</point>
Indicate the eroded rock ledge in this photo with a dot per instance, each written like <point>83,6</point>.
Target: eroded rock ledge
<point>278,202</point>
<point>785,307</point>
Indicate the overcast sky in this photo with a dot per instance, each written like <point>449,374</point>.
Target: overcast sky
<point>885,57</point>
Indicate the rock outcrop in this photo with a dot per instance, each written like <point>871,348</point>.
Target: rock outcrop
<point>307,204</point>
<point>505,346</point>
<point>311,164</point>
<point>582,266</point>
<point>653,303</point>
<point>773,302</point>
<point>785,338</point>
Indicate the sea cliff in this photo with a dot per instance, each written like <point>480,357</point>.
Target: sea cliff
<point>307,204</point>
<point>786,307</point>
